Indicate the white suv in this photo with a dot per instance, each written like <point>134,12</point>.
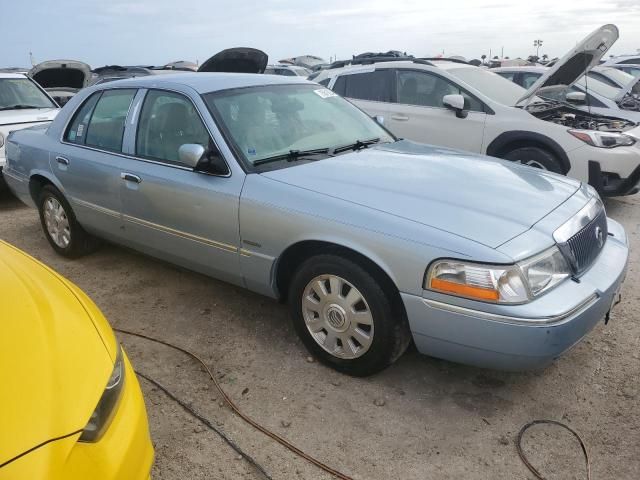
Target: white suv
<point>454,104</point>
<point>23,103</point>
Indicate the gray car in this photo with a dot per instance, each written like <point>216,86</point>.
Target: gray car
<point>281,186</point>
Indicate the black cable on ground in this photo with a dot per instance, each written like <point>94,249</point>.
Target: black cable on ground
<point>282,441</point>
<point>533,469</point>
<point>196,415</point>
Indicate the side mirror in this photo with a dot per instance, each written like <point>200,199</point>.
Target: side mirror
<point>379,120</point>
<point>190,154</point>
<point>457,104</point>
<point>579,98</point>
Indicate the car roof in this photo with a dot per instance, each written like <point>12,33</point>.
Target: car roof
<point>523,68</point>
<point>204,82</point>
<point>12,75</point>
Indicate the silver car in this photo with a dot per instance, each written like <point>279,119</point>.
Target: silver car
<point>281,186</point>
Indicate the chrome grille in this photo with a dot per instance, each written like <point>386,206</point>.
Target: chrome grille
<point>583,247</point>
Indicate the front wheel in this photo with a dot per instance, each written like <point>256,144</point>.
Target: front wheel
<point>345,317</point>
<point>535,157</point>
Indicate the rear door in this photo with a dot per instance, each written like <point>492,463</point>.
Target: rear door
<point>418,112</point>
<point>170,210</point>
<point>370,89</point>
<point>89,160</point>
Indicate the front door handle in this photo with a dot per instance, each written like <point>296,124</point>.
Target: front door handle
<point>400,118</point>
<point>62,160</point>
<point>130,177</point>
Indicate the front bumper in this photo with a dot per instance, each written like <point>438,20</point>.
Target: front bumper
<point>611,184</point>
<point>520,337</point>
<point>125,450</point>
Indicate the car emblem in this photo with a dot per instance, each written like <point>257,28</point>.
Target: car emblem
<point>599,236</point>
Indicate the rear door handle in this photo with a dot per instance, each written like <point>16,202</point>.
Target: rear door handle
<point>62,161</point>
<point>400,118</point>
<point>130,177</point>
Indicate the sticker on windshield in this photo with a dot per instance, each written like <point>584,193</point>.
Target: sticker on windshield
<point>251,151</point>
<point>325,93</point>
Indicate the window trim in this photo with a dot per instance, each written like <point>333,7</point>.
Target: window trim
<point>485,108</point>
<point>135,121</point>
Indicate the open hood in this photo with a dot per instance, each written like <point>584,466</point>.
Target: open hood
<point>236,60</point>
<point>61,74</point>
<point>566,71</point>
<point>632,88</point>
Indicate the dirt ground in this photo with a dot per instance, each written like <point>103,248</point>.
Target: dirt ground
<point>438,420</point>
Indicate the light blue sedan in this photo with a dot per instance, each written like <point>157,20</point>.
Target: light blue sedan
<point>280,186</point>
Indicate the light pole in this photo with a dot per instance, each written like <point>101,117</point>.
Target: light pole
<point>537,44</point>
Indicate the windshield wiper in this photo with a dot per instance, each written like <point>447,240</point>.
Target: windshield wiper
<point>292,156</point>
<point>20,107</point>
<point>358,145</point>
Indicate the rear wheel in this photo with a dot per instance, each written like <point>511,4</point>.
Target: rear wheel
<point>535,157</point>
<point>345,317</point>
<point>60,226</point>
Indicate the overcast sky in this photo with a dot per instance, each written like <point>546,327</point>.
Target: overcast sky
<point>130,32</point>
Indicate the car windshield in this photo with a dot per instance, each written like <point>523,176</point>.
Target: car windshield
<point>593,85</point>
<point>21,93</point>
<point>268,121</point>
<point>491,84</point>
<point>619,76</point>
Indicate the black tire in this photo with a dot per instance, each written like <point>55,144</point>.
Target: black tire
<point>390,331</point>
<point>537,157</point>
<point>80,242</point>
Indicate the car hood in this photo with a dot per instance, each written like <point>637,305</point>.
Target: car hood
<point>31,115</point>
<point>61,74</point>
<point>483,199</point>
<point>236,60</point>
<point>632,88</point>
<point>56,360</point>
<point>566,71</point>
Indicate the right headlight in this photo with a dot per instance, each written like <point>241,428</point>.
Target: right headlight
<point>102,415</point>
<point>510,284</point>
<point>603,139</point>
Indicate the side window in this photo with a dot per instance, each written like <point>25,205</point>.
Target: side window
<point>106,125</point>
<point>77,129</point>
<point>529,79</point>
<point>508,75</point>
<point>167,121</point>
<point>325,82</point>
<point>376,86</point>
<point>428,90</point>
<point>340,87</point>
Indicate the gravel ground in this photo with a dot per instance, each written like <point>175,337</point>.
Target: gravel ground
<point>421,418</point>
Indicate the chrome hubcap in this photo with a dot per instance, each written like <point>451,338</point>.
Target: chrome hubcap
<point>532,163</point>
<point>337,316</point>
<point>57,223</point>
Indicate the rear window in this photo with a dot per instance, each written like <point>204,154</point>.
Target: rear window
<point>376,86</point>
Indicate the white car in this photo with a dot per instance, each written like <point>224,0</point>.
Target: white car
<point>597,91</point>
<point>23,103</point>
<point>457,105</point>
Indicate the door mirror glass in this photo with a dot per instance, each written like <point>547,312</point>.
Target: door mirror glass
<point>578,98</point>
<point>456,103</point>
<point>190,154</point>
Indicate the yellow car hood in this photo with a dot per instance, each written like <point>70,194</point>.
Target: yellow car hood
<point>56,354</point>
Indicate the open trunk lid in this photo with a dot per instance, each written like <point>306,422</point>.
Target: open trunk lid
<point>236,60</point>
<point>59,74</point>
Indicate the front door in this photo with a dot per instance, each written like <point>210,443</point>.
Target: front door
<point>418,112</point>
<point>170,210</point>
